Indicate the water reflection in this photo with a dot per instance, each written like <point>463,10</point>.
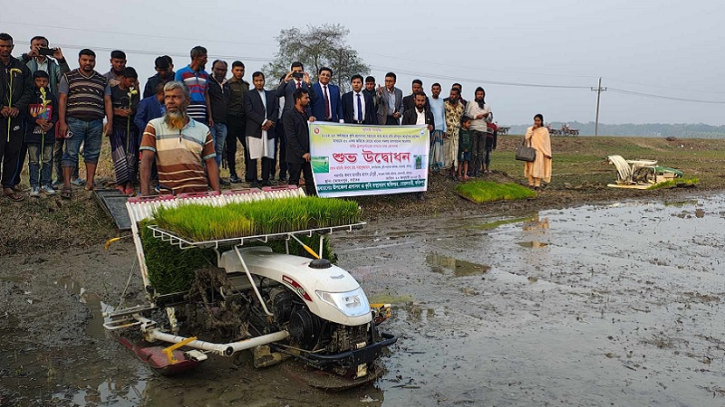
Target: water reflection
<point>460,268</point>
<point>536,233</point>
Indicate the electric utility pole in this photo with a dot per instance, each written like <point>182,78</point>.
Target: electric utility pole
<point>599,89</point>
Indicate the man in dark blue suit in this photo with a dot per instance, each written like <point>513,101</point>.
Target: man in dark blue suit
<point>357,106</point>
<point>261,108</point>
<point>148,109</point>
<point>327,106</point>
<point>295,79</point>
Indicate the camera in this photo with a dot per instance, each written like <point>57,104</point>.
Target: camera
<point>297,75</point>
<point>46,51</point>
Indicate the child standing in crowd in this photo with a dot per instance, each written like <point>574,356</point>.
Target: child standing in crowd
<point>465,141</point>
<point>40,135</point>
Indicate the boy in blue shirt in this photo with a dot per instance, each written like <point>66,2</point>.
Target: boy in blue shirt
<point>465,140</point>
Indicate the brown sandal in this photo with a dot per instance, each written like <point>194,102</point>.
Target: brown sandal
<point>11,194</point>
<point>66,193</point>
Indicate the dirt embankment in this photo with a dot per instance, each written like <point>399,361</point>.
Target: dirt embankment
<point>580,175</point>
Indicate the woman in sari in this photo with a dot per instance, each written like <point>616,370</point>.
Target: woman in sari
<point>540,169</point>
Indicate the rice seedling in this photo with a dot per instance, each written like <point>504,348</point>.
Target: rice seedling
<point>172,270</point>
<point>488,191</point>
<point>677,183</point>
<point>199,222</point>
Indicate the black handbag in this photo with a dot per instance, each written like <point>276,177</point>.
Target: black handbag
<point>525,153</point>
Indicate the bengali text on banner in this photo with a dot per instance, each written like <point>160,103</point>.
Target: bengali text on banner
<point>354,160</point>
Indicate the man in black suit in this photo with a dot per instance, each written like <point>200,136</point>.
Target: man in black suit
<point>409,101</point>
<point>358,106</point>
<point>261,108</point>
<point>419,114</point>
<point>295,79</point>
<point>297,135</point>
<point>370,90</point>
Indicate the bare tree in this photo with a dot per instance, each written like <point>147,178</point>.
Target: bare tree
<point>317,47</point>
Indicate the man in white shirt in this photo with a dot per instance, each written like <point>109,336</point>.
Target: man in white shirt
<point>436,138</point>
<point>261,108</point>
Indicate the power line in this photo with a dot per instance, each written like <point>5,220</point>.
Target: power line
<point>502,83</point>
<point>666,87</point>
<point>649,95</point>
<point>422,74</point>
<point>156,53</point>
<point>127,34</point>
<point>478,68</point>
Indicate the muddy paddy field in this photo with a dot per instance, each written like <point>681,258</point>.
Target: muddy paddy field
<point>585,296</point>
<point>617,303</point>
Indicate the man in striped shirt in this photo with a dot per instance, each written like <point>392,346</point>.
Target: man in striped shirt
<point>179,144</point>
<point>195,78</point>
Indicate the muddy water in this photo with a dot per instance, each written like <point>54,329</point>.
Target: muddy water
<point>596,305</point>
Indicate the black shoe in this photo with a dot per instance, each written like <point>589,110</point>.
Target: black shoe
<point>282,179</point>
<point>224,182</point>
<point>266,183</point>
<point>234,179</point>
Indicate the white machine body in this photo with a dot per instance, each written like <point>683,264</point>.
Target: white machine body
<point>330,293</point>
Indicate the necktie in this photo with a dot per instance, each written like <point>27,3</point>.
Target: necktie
<point>327,104</point>
<point>299,85</point>
<point>359,109</point>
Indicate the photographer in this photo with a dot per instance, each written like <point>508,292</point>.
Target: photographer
<point>295,79</point>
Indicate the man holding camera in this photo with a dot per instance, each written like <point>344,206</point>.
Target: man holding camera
<point>295,79</point>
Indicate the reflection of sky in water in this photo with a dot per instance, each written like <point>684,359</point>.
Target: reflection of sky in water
<point>116,392</point>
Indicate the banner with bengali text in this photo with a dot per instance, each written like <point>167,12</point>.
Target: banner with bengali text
<point>355,160</point>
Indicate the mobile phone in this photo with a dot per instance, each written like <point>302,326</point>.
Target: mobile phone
<point>297,75</point>
<point>46,51</point>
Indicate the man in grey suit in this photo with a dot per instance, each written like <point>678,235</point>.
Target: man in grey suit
<point>295,79</point>
<point>261,108</point>
<point>390,108</point>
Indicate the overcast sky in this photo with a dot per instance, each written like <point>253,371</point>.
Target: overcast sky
<point>662,48</point>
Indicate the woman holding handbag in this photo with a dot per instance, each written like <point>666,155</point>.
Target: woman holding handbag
<point>537,137</point>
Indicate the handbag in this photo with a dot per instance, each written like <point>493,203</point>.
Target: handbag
<point>525,153</point>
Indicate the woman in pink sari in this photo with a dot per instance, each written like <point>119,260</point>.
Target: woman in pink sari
<point>538,170</point>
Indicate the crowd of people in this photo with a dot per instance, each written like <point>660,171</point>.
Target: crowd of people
<point>178,132</point>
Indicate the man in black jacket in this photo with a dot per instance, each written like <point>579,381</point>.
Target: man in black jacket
<point>419,114</point>
<point>236,120</point>
<point>16,91</point>
<point>357,106</point>
<point>261,108</point>
<point>409,101</point>
<point>164,73</point>
<point>219,94</point>
<point>297,135</point>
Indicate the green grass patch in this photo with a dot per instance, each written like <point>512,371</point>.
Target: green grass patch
<point>198,222</point>
<point>487,191</point>
<point>677,183</point>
